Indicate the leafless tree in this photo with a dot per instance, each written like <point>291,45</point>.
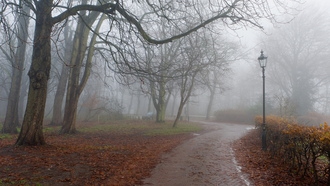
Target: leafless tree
<point>195,60</point>
<point>64,60</point>
<point>221,53</point>
<point>298,54</point>
<point>16,56</point>
<point>161,65</point>
<point>75,83</point>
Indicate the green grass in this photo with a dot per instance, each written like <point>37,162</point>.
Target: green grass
<point>146,128</point>
<point>128,127</point>
<point>6,136</point>
<point>118,128</point>
<point>45,130</point>
<point>167,129</point>
<point>51,129</point>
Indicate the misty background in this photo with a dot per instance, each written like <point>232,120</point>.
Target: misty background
<point>297,73</point>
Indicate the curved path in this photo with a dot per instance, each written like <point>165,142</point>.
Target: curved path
<point>206,159</point>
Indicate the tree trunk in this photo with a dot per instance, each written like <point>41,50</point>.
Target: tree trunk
<point>23,95</point>
<point>130,104</point>
<point>31,130</point>
<point>161,106</point>
<point>209,106</point>
<point>149,104</point>
<point>138,104</point>
<point>69,119</point>
<point>74,87</point>
<point>174,102</point>
<point>160,115</point>
<point>71,103</point>
<point>179,113</point>
<point>185,92</point>
<point>12,119</point>
<point>158,99</point>
<point>59,95</point>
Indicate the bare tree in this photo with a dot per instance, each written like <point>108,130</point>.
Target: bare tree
<point>63,76</point>
<point>194,59</point>
<point>161,73</point>
<point>299,52</point>
<point>31,131</point>
<point>75,84</point>
<point>17,62</point>
<point>220,53</point>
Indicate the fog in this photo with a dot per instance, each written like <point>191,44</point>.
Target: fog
<point>246,82</point>
<point>297,76</point>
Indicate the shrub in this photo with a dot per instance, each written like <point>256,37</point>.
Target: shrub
<point>302,147</point>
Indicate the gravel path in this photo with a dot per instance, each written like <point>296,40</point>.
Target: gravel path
<point>206,159</point>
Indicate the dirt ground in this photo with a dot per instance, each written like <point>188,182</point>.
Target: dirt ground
<point>206,159</point>
<point>110,155</point>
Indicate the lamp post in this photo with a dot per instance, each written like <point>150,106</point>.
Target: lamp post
<point>263,62</point>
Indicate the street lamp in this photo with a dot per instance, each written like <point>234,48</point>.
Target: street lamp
<point>263,62</point>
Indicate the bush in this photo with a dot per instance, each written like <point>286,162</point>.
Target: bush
<point>305,148</point>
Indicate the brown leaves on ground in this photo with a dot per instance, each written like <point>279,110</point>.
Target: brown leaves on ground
<point>261,167</point>
<point>98,158</point>
<point>121,158</point>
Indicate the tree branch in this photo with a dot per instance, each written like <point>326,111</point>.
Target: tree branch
<point>108,8</point>
<point>145,36</point>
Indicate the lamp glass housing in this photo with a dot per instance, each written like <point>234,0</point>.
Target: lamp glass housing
<point>262,60</point>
